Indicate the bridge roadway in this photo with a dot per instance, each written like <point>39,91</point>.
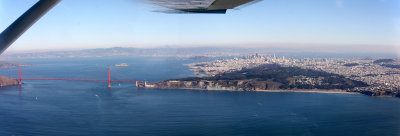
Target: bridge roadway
<point>20,79</point>
<point>55,79</point>
<point>89,80</point>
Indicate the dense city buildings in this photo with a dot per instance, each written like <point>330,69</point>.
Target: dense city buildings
<point>382,75</point>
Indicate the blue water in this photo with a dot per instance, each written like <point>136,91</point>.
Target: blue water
<point>90,108</point>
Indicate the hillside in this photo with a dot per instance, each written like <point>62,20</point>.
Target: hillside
<point>6,81</point>
<point>267,77</point>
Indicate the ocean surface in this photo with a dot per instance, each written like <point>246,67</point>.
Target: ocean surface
<point>90,108</point>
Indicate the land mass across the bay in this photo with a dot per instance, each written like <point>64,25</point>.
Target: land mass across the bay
<point>204,52</point>
<point>4,64</point>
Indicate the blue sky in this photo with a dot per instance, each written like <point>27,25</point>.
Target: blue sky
<point>75,24</point>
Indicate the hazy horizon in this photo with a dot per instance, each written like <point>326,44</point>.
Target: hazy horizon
<point>210,51</point>
<point>272,47</point>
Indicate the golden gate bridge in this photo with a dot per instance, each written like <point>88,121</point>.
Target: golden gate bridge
<point>109,81</point>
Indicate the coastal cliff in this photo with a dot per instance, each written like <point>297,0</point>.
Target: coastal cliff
<point>211,85</point>
<point>6,81</point>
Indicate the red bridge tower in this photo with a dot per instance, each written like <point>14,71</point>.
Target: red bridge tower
<point>109,78</point>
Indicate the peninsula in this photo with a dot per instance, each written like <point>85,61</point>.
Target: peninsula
<point>6,81</point>
<point>370,76</point>
<point>267,77</point>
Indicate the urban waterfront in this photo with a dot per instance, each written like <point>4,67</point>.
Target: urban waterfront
<point>90,108</point>
<point>381,74</point>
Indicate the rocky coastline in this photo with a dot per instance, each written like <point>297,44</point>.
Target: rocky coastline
<point>248,85</point>
<point>243,85</point>
<point>273,78</point>
<point>6,81</point>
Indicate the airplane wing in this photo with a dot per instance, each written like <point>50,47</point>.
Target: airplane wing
<point>201,6</point>
<point>24,22</point>
<point>227,4</point>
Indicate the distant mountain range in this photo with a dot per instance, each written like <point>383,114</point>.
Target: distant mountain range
<point>122,51</point>
<point>181,52</point>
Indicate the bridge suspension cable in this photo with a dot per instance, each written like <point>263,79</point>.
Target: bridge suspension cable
<point>109,80</point>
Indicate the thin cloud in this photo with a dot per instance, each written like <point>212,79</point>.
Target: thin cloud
<point>339,3</point>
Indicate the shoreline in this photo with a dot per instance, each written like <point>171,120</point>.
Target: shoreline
<point>286,91</point>
<point>310,91</point>
<point>289,91</point>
